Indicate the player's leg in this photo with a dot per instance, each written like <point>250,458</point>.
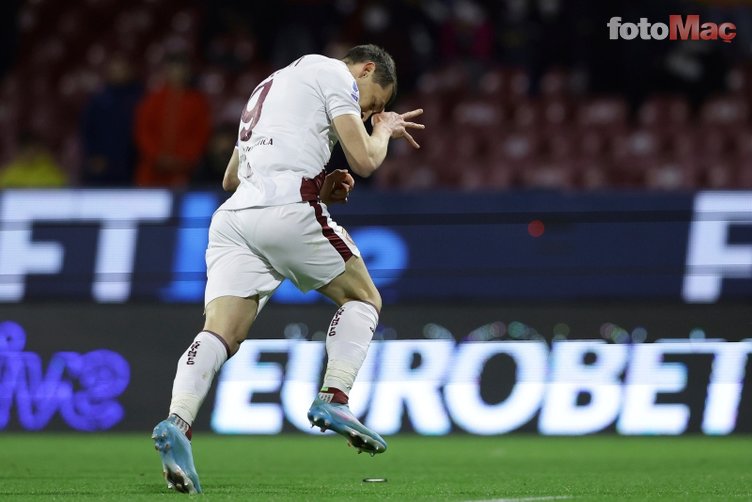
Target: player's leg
<point>347,341</point>
<point>228,319</point>
<point>236,279</point>
<point>306,246</point>
<point>352,326</point>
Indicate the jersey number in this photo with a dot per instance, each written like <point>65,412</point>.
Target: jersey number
<point>251,116</point>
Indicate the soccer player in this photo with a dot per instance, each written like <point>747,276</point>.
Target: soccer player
<point>276,226</point>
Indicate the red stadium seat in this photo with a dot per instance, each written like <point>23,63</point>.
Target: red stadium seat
<point>712,142</point>
<point>447,173</point>
<point>681,143</point>
<point>744,174</point>
<point>606,112</point>
<point>641,142</point>
<point>629,172</point>
<point>726,111</point>
<point>477,111</point>
<point>741,142</point>
<point>559,144</point>
<point>549,175</point>
<point>403,173</point>
<point>555,83</point>
<point>500,175</point>
<point>717,173</point>
<point>557,112</point>
<point>739,80</point>
<point>526,114</point>
<point>664,111</point>
<point>449,83</point>
<point>593,173</point>
<point>515,146</point>
<point>592,143</point>
<point>671,174</point>
<point>506,85</point>
<point>466,146</point>
<point>434,110</point>
<point>472,177</point>
<point>541,113</point>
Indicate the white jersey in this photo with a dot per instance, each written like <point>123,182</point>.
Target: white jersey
<point>286,136</point>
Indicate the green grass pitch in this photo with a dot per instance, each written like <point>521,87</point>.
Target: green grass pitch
<point>295,467</point>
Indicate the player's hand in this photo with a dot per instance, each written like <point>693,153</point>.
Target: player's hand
<point>398,123</point>
<point>336,187</point>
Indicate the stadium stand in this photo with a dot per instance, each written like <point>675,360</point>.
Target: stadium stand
<point>491,124</point>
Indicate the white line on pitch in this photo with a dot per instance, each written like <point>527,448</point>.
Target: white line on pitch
<point>525,499</point>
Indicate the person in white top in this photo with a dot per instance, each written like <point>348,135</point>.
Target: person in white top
<point>276,225</point>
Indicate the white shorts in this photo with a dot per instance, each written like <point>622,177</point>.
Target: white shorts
<point>251,251</point>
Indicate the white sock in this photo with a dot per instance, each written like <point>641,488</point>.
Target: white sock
<point>196,369</point>
<point>347,341</point>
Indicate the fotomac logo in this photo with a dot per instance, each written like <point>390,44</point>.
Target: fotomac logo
<point>678,28</point>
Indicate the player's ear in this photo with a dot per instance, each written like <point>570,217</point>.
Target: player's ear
<point>367,69</point>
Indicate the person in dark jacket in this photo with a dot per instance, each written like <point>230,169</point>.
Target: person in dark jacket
<point>108,147</point>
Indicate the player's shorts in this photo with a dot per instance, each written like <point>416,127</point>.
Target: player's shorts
<point>251,251</point>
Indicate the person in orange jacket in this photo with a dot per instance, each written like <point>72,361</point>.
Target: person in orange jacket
<point>173,125</point>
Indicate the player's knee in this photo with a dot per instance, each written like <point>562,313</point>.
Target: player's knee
<point>233,333</point>
<point>372,297</point>
<point>369,295</point>
<point>231,337</point>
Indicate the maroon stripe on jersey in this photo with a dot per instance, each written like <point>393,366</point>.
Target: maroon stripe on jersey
<point>334,239</point>
<point>310,187</point>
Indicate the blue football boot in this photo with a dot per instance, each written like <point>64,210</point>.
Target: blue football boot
<point>177,457</point>
<point>339,418</point>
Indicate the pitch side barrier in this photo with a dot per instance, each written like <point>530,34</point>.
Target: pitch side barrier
<point>553,369</point>
<point>120,246</point>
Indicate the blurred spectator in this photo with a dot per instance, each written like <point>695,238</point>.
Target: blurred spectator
<point>32,167</point>
<point>467,33</point>
<point>212,167</point>
<point>402,28</point>
<point>173,125</point>
<point>108,148</point>
<point>228,36</point>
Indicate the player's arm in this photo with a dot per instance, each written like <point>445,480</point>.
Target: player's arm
<point>230,181</point>
<point>365,152</point>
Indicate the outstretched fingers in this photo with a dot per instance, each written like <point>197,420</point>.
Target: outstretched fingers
<point>414,125</point>
<point>411,125</point>
<point>411,113</point>
<point>410,139</point>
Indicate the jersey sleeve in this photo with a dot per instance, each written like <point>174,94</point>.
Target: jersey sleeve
<point>340,91</point>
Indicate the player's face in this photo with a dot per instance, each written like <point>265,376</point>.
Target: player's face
<point>373,99</point>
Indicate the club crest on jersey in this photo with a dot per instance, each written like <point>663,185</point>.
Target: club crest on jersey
<point>355,94</point>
